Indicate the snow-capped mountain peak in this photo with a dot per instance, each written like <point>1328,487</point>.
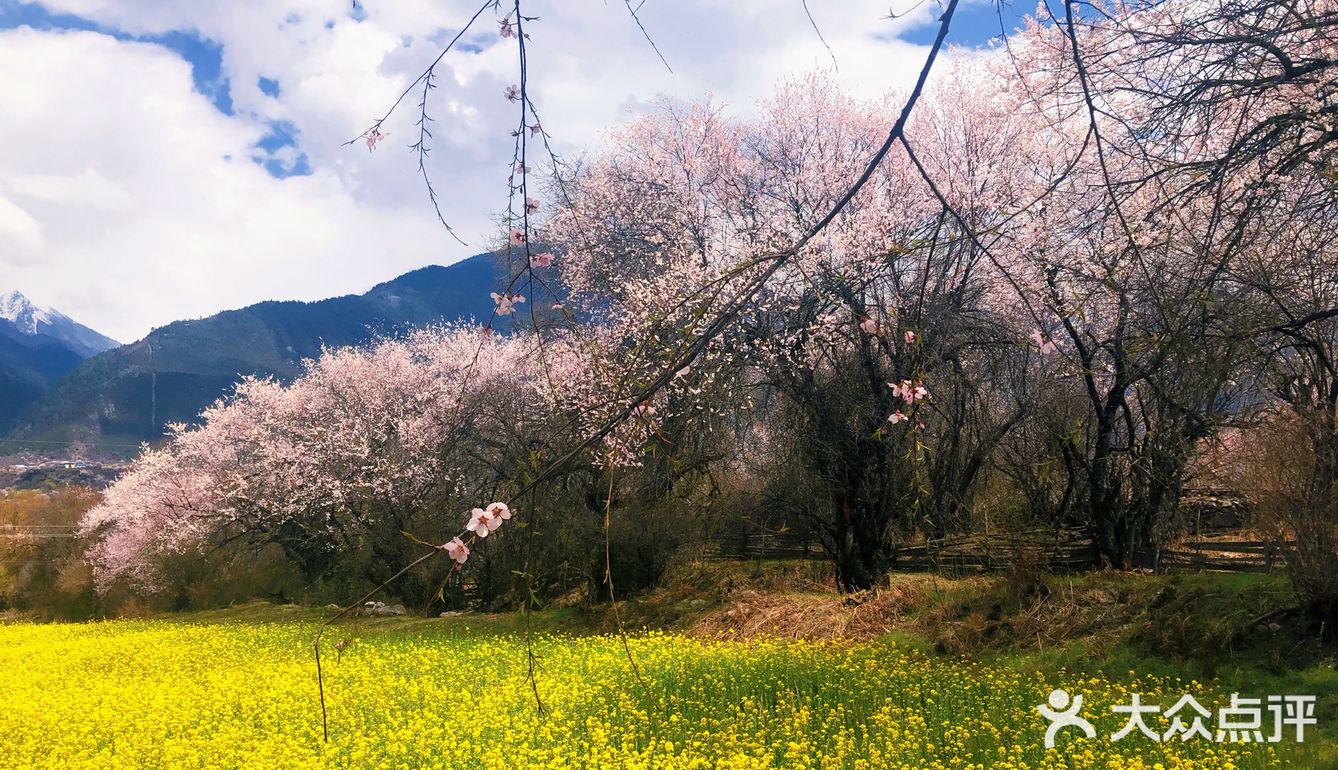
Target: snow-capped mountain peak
<point>27,317</point>
<point>33,320</point>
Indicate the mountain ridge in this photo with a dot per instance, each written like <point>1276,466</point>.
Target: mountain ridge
<point>126,395</point>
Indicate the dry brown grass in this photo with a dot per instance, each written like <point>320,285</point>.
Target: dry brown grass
<point>1023,609</point>
<point>749,614</point>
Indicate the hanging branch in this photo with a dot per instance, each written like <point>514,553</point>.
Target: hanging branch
<point>644,33</point>
<point>814,23</point>
<point>373,134</point>
<point>741,299</point>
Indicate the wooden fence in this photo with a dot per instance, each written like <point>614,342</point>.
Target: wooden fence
<point>1055,550</point>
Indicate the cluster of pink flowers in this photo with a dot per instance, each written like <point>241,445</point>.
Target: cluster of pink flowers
<point>908,391</point>
<point>311,452</point>
<point>506,303</point>
<point>485,520</point>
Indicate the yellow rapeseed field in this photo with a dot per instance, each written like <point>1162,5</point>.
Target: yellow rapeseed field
<point>168,694</point>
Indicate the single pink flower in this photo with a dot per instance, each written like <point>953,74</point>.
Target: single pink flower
<point>517,237</point>
<point>541,260</point>
<point>909,336</point>
<point>1043,342</point>
<point>499,511</point>
<point>512,93</point>
<point>505,29</point>
<point>373,136</point>
<point>897,417</point>
<point>869,325</point>
<point>535,129</point>
<point>456,550</point>
<point>531,205</point>
<point>481,522</point>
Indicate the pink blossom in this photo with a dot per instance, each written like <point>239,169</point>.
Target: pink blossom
<point>1043,342</point>
<point>541,260</point>
<point>517,237</point>
<point>512,93</point>
<point>315,442</point>
<point>506,303</point>
<point>897,417</point>
<point>499,511</point>
<point>535,129</point>
<point>456,550</point>
<point>531,205</point>
<point>869,325</point>
<point>505,29</point>
<point>909,336</point>
<point>644,410</point>
<point>908,391</point>
<point>373,136</point>
<point>481,522</point>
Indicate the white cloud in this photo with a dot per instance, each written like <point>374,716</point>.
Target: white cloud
<point>129,201</point>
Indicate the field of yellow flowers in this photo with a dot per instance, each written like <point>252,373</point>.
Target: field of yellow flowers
<point>173,694</point>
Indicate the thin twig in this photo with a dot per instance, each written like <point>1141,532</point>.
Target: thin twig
<point>644,33</point>
<point>814,23</point>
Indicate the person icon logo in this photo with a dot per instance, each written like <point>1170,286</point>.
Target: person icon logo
<point>1062,712</point>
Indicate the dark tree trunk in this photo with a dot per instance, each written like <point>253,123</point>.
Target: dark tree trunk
<point>863,555</point>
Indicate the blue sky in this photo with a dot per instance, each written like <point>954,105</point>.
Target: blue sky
<point>205,57</point>
<point>975,24</point>
<point>179,158</point>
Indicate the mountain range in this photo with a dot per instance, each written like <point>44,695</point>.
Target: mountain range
<point>38,347</point>
<point>63,383</point>
<point>33,321</point>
